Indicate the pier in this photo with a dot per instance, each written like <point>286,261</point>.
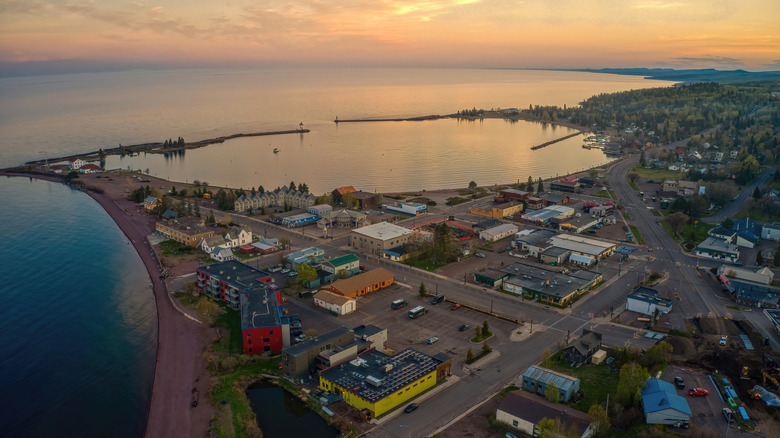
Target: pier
<point>548,143</point>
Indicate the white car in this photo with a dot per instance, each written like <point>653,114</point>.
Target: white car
<point>433,339</point>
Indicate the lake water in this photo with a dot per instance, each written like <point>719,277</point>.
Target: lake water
<point>78,327</point>
<point>59,115</point>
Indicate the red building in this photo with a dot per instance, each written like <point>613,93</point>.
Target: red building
<point>253,291</point>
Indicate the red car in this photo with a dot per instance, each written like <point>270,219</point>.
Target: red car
<point>697,392</point>
<point>455,307</point>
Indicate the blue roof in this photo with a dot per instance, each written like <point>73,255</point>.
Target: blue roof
<point>748,235</point>
<point>659,395</point>
<point>742,224</point>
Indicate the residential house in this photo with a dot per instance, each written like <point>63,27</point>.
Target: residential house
<point>341,191</point>
<point>75,163</point>
<point>237,236</point>
<point>312,256</point>
<point>90,168</point>
<point>662,405</point>
<point>523,411</point>
<point>365,200</point>
<point>267,246</point>
<point>537,379</point>
<point>582,349</point>
<point>151,203</point>
<point>282,196</point>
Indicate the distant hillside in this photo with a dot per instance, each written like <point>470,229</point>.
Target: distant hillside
<point>693,75</point>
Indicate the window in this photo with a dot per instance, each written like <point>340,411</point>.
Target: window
<point>266,340</point>
<point>514,423</point>
<point>271,332</point>
<point>249,342</point>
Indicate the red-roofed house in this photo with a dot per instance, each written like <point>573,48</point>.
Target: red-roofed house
<point>90,168</point>
<point>341,191</point>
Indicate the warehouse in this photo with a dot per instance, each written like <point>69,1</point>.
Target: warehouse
<point>498,233</point>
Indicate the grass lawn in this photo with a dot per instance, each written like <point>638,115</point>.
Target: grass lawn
<point>596,381</point>
<point>633,185</point>
<point>174,248</point>
<point>701,232</point>
<point>226,390</point>
<point>425,263</point>
<point>657,174</point>
<point>639,239</point>
<point>609,194</point>
<point>230,321</point>
<point>756,214</point>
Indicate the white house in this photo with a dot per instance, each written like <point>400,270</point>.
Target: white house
<point>221,254</point>
<point>238,236</point>
<point>336,303</point>
<point>75,163</point>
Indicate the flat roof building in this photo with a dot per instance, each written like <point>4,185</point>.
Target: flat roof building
<point>263,328</point>
<point>545,215</point>
<point>375,383</point>
<point>584,246</point>
<point>376,238</point>
<point>547,286</point>
<point>717,248</point>
<point>187,230</point>
<point>298,360</point>
<point>362,284</point>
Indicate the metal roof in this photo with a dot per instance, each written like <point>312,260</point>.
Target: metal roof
<point>659,395</point>
<point>383,231</point>
<point>561,381</point>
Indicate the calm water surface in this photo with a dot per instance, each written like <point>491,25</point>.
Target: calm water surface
<point>48,116</point>
<point>282,415</point>
<point>78,325</point>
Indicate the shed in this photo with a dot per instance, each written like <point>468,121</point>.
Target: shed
<point>662,405</point>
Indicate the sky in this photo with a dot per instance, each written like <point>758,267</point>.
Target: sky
<point>722,34</point>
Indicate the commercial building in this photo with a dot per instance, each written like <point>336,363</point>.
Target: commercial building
<point>717,248</point>
<point>376,238</point>
<point>566,184</point>
<point>298,220</point>
<point>365,200</point>
<point>514,194</point>
<point>498,233</point>
<point>491,277</point>
<point>597,249</point>
<point>545,215</point>
<point>188,231</point>
<point>343,218</point>
<point>523,411</point>
<point>362,284</point>
<point>762,275</point>
<point>375,383</point>
<point>497,210</point>
<point>346,265</point>
<point>662,405</point>
<point>150,203</point>
<point>537,379</point>
<point>298,360</point>
<point>647,302</point>
<point>333,302</point>
<point>548,286</point>
<point>410,208</point>
<point>267,246</point>
<point>320,210</point>
<point>771,231</point>
<point>375,337</point>
<point>535,242</point>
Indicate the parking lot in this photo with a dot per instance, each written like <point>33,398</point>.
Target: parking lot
<point>404,332</point>
<point>706,411</point>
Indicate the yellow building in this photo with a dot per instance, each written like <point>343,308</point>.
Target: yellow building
<point>189,231</point>
<point>497,210</point>
<point>375,383</point>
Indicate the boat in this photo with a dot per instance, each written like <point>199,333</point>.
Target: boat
<point>276,150</point>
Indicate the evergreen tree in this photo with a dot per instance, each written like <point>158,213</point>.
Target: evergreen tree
<point>757,193</point>
<point>485,329</point>
<point>529,186</point>
<point>260,190</point>
<point>292,185</point>
<point>642,160</point>
<point>469,356</point>
<point>422,292</point>
<point>540,186</point>
<point>759,258</point>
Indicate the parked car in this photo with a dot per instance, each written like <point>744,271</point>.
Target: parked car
<point>679,382</point>
<point>723,340</point>
<point>292,274</point>
<point>295,317</point>
<point>479,254</point>
<point>285,270</point>
<point>455,306</point>
<point>410,408</point>
<point>432,340</point>
<point>729,414</point>
<point>697,392</point>
<point>463,328</point>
